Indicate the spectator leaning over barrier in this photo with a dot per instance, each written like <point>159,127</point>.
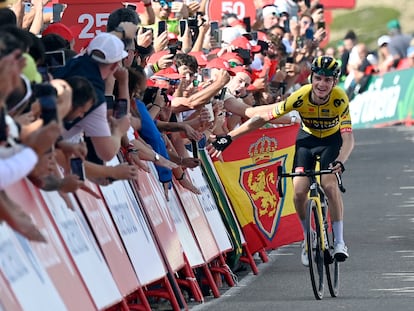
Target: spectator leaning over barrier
<point>101,60</point>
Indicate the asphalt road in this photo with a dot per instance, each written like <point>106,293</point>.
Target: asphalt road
<point>379,231</point>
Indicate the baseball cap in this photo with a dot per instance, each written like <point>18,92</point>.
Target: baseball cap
<point>156,56</point>
<point>241,69</point>
<point>270,10</point>
<point>383,40</point>
<point>30,69</point>
<point>168,73</point>
<point>220,63</point>
<point>244,43</point>
<point>230,55</point>
<point>59,29</point>
<point>200,57</point>
<point>109,45</point>
<point>393,24</point>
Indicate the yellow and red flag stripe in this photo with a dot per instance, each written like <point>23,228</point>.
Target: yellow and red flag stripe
<point>249,174</point>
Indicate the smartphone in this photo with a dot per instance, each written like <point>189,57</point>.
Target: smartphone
<point>247,22</point>
<point>214,27</point>
<point>254,35</point>
<point>77,168</point>
<point>321,25</point>
<point>194,147</point>
<point>149,95</point>
<point>309,34</point>
<point>131,6</point>
<point>55,59</point>
<point>286,25</point>
<point>48,108</point>
<point>218,35</point>
<point>120,109</point>
<point>3,125</point>
<point>173,49</point>
<point>206,74</point>
<point>144,29</point>
<point>44,73</point>
<point>183,26</point>
<point>289,60</point>
<point>162,27</point>
<point>222,93</point>
<point>57,12</point>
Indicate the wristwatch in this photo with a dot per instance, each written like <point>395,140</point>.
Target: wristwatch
<point>156,157</point>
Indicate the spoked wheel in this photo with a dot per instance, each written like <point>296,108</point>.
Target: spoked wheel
<point>331,268</point>
<point>314,248</point>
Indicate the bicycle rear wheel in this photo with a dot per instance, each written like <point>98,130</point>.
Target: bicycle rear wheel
<point>314,249</point>
<point>331,267</point>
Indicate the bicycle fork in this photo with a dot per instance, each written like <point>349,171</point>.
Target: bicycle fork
<point>321,217</point>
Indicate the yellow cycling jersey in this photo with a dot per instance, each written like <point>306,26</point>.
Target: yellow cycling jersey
<point>318,120</point>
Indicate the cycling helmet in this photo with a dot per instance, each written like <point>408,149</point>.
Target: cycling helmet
<point>326,66</point>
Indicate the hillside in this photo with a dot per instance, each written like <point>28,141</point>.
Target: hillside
<point>369,19</point>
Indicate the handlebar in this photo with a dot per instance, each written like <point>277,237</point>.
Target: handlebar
<point>307,173</point>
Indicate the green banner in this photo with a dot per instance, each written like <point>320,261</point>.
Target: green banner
<point>224,208</point>
<point>388,100</point>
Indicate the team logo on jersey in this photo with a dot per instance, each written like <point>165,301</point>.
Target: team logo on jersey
<point>338,102</point>
<point>298,103</point>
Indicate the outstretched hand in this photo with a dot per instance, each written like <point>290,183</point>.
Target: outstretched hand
<point>220,143</point>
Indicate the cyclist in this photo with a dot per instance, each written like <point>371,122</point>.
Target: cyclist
<point>326,131</point>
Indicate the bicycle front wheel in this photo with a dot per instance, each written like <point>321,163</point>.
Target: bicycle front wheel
<point>331,266</point>
<point>314,249</point>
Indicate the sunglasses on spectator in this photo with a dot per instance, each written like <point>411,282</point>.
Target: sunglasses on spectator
<point>234,64</point>
<point>163,3</point>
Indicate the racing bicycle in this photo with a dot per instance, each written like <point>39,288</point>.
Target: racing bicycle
<point>319,237</point>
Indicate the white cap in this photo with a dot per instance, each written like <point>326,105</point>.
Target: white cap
<point>270,10</point>
<point>228,34</point>
<point>282,7</point>
<point>109,45</point>
<point>383,39</point>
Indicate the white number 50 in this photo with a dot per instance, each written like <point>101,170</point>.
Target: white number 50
<point>237,7</point>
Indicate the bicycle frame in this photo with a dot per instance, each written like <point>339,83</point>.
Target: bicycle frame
<point>318,205</point>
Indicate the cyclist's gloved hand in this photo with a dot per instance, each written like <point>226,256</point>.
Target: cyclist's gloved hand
<point>337,165</point>
<point>221,143</point>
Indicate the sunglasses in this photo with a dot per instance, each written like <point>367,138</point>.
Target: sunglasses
<point>234,64</point>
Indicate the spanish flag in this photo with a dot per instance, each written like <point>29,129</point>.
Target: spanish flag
<point>249,174</point>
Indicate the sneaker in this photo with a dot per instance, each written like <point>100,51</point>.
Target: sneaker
<point>304,255</point>
<point>340,252</point>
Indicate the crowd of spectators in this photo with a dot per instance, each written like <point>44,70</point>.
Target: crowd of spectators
<point>394,51</point>
<point>150,93</point>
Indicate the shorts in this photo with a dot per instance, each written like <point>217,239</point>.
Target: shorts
<point>309,148</point>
